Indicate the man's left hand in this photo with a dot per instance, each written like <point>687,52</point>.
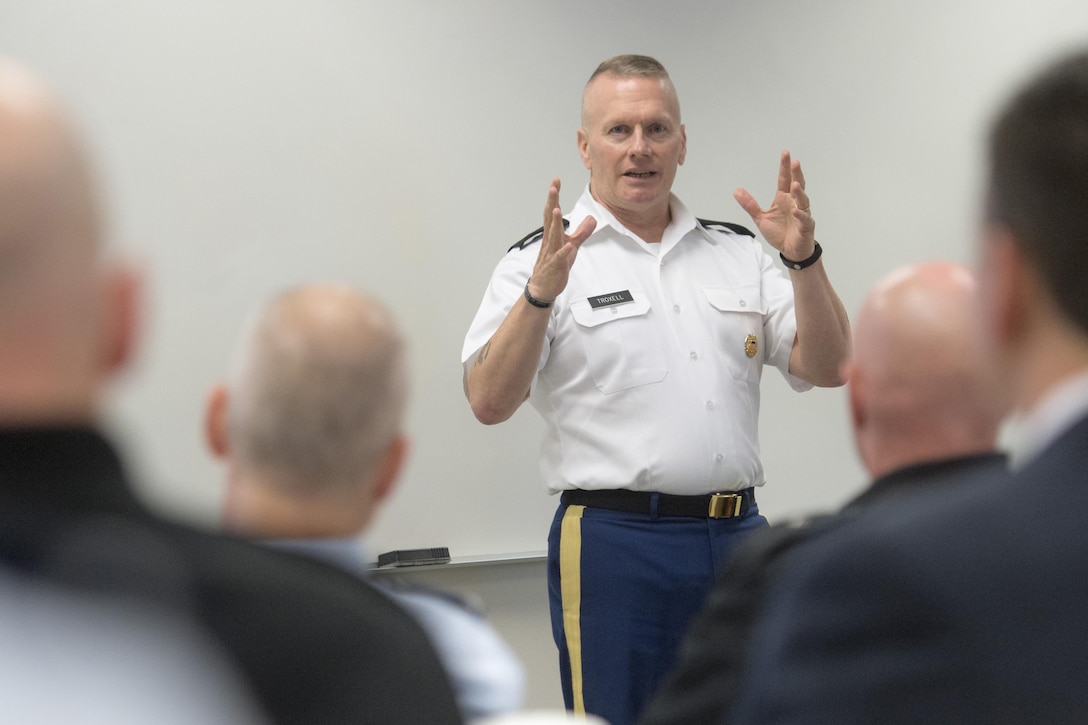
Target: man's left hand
<point>787,224</point>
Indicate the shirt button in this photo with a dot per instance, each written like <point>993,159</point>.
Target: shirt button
<point>743,303</point>
<point>615,311</point>
<point>676,308</point>
<point>710,405</point>
<point>694,355</point>
<point>719,458</point>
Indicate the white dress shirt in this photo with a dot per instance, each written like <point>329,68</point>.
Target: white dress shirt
<point>659,392</point>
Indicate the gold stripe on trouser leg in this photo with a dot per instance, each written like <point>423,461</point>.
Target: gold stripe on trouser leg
<point>570,587</point>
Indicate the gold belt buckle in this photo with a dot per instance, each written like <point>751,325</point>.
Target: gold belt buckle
<point>724,505</point>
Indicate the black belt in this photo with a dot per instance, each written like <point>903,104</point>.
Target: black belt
<point>725,505</point>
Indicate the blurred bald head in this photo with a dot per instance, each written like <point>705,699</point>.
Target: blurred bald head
<point>921,388</point>
<point>313,412</point>
<point>58,331</point>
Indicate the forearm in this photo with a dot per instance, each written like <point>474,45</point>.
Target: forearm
<point>499,378</point>
<point>498,381</point>
<point>823,328</point>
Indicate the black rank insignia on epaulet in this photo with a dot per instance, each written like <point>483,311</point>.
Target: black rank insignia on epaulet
<point>533,237</point>
<point>727,226</point>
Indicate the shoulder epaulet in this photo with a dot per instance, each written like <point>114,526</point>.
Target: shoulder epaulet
<point>727,226</point>
<point>533,237</point>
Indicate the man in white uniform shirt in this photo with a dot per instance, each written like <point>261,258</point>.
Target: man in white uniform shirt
<point>640,337</point>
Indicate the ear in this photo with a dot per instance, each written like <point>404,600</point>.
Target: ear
<point>683,145</point>
<point>216,435</point>
<point>389,468</point>
<point>122,313</point>
<point>855,387</point>
<point>1004,288</point>
<point>583,148</point>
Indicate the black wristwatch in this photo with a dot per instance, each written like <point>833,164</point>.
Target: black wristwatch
<point>816,252</point>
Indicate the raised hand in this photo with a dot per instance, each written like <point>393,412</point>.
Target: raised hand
<point>787,224</point>
<point>557,249</point>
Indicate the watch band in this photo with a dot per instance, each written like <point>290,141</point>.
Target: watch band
<point>816,252</point>
<point>533,300</point>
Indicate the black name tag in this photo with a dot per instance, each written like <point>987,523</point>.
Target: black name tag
<point>612,298</point>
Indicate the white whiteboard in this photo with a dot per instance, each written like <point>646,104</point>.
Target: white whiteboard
<point>252,144</point>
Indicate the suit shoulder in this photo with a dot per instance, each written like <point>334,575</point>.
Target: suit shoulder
<point>772,544</point>
<point>728,227</point>
<point>256,600</point>
<point>533,237</point>
<point>773,541</point>
<point>399,588</point>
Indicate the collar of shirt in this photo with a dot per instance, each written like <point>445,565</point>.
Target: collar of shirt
<point>348,554</point>
<point>682,222</point>
<point>1031,432</point>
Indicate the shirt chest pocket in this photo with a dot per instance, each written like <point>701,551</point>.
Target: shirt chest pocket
<point>620,343</point>
<point>736,316</point>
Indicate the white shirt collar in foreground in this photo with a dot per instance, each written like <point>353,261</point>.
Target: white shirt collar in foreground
<point>1064,405</point>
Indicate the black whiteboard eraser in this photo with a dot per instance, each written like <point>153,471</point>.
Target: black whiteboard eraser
<point>415,557</point>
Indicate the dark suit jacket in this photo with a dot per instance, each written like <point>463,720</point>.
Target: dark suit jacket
<point>704,681</point>
<point>968,609</point>
<point>315,644</point>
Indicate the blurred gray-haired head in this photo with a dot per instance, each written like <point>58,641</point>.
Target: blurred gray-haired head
<point>318,389</point>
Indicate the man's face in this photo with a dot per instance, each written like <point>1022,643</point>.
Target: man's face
<point>631,141</point>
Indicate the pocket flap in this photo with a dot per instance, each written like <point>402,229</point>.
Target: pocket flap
<point>734,299</point>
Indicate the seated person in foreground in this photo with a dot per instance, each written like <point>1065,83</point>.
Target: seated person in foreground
<point>925,412</point>
<point>969,608</point>
<point>311,427</point>
<point>312,644</point>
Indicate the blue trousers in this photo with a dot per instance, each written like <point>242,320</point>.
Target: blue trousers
<point>622,589</point>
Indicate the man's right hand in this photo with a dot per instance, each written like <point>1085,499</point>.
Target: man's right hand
<point>500,378</point>
<point>557,249</point>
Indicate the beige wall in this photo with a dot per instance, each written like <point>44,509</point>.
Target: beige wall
<point>401,147</point>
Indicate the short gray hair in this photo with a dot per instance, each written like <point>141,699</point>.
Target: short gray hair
<point>631,65</point>
<point>319,388</point>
